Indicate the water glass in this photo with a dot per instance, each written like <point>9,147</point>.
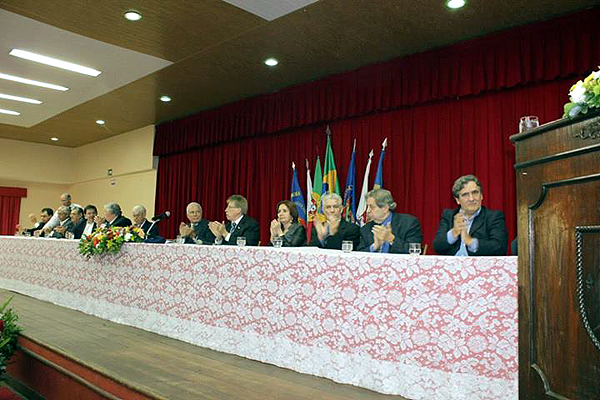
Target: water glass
<point>347,246</point>
<point>241,241</point>
<point>414,249</point>
<point>180,239</point>
<point>528,123</point>
<point>69,235</point>
<point>277,242</point>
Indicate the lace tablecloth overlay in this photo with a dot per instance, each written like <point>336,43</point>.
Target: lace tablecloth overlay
<point>425,327</point>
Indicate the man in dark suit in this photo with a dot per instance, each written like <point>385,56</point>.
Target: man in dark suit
<point>89,212</point>
<point>113,217</point>
<point>239,223</point>
<point>331,233</point>
<point>45,216</point>
<point>387,232</point>
<point>471,230</point>
<point>78,223</point>
<point>197,230</point>
<point>138,213</point>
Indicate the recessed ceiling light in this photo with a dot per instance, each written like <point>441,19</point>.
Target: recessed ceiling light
<point>54,139</point>
<point>133,15</point>
<point>166,99</point>
<point>17,98</point>
<point>271,62</point>
<point>100,122</point>
<point>455,3</point>
<point>54,62</point>
<point>32,82</point>
<point>9,112</point>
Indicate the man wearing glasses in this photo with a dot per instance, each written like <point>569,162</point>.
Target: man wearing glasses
<point>330,234</point>
<point>470,230</point>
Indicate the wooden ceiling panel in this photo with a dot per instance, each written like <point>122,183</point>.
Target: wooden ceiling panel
<point>219,50</point>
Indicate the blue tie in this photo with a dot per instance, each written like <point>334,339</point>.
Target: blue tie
<point>233,226</point>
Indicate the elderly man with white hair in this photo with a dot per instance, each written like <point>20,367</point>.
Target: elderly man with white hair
<point>197,230</point>
<point>112,217</point>
<point>138,213</point>
<point>64,223</point>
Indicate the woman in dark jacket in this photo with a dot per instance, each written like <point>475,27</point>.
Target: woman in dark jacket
<point>286,225</point>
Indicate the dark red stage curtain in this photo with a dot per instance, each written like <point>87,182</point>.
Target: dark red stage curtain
<point>565,47</point>
<point>428,147</point>
<point>10,207</point>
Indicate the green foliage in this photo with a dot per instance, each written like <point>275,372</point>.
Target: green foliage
<point>9,333</point>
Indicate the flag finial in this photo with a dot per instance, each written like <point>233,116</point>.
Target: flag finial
<point>328,130</point>
<point>371,153</point>
<point>293,165</point>
<point>384,144</point>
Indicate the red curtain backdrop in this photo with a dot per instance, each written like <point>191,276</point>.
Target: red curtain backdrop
<point>434,135</point>
<point>565,47</point>
<point>10,207</point>
<point>428,147</point>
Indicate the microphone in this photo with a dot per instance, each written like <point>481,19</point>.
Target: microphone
<point>162,216</point>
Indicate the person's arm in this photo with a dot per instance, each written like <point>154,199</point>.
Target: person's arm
<point>409,231</point>
<point>53,222</point>
<point>366,238</point>
<point>296,239</point>
<point>252,234</point>
<point>314,238</point>
<point>440,242</point>
<point>496,241</point>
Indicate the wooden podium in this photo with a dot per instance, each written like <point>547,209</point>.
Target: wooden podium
<point>558,200</point>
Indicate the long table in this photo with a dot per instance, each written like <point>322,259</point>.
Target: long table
<point>423,327</point>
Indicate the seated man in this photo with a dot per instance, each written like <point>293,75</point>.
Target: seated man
<point>239,224</point>
<point>45,216</point>
<point>112,217</point>
<point>64,223</point>
<point>470,230</point>
<point>90,211</point>
<point>197,230</point>
<point>387,232</point>
<point>78,222</point>
<point>138,213</point>
<point>331,233</point>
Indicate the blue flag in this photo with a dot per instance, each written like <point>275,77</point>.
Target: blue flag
<point>349,212</point>
<point>297,197</point>
<point>378,184</point>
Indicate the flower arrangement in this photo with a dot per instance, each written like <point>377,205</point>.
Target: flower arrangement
<point>109,240</point>
<point>584,95</point>
<point>9,333</point>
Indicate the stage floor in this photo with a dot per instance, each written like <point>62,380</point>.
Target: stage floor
<point>161,367</point>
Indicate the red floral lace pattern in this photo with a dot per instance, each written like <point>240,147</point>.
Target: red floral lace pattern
<point>422,327</point>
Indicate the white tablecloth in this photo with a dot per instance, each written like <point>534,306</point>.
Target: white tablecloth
<point>425,327</point>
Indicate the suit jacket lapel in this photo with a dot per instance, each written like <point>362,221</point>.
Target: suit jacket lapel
<point>477,222</point>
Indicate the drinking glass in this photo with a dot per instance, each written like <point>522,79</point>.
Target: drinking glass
<point>414,249</point>
<point>528,123</point>
<point>277,242</point>
<point>347,246</point>
<point>241,241</point>
<point>180,239</point>
<point>69,235</point>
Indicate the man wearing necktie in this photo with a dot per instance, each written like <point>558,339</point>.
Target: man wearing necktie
<point>197,230</point>
<point>471,230</point>
<point>239,223</point>
<point>387,232</point>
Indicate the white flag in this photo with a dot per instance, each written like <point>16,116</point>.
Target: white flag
<point>308,190</point>
<point>361,211</point>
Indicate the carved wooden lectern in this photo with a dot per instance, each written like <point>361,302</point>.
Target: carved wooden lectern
<point>558,200</point>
